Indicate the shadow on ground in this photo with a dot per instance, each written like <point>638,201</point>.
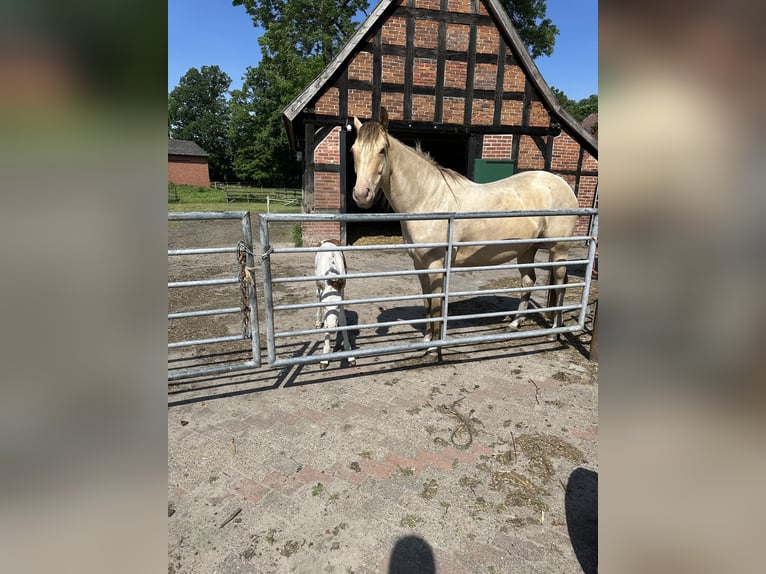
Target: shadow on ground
<point>581,506</point>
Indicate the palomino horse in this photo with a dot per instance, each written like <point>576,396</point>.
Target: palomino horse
<point>329,263</point>
<point>414,183</point>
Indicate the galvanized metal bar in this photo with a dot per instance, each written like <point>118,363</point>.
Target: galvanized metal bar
<point>522,241</point>
<point>177,375</point>
<point>392,246</point>
<point>204,215</point>
<point>541,265</point>
<point>367,217</point>
<point>516,290</point>
<point>204,341</point>
<point>320,330</point>
<point>396,298</point>
<point>203,283</point>
<point>347,302</point>
<point>268,298</point>
<point>404,272</point>
<point>359,275</point>
<point>589,268</point>
<point>386,350</point>
<point>202,251</point>
<point>205,313</point>
<point>505,313</point>
<point>252,299</point>
<point>446,277</point>
<point>405,246</point>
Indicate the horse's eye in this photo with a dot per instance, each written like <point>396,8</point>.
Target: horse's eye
<point>382,151</point>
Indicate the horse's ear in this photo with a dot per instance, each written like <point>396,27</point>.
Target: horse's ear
<point>357,123</point>
<point>383,117</point>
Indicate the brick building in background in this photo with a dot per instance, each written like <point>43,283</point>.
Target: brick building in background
<point>187,163</point>
<point>453,75</point>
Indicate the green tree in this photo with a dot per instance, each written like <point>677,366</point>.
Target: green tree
<point>578,109</point>
<point>537,32</point>
<point>301,37</point>
<point>257,134</point>
<point>588,106</point>
<point>307,28</point>
<point>198,111</point>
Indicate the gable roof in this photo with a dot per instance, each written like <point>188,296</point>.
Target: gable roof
<point>184,147</point>
<point>507,31</point>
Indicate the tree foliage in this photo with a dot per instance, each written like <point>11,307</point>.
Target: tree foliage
<point>579,109</point>
<point>307,28</point>
<point>198,111</point>
<point>537,32</point>
<point>257,134</point>
<point>301,37</point>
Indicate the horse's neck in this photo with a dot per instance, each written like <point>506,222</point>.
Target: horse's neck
<point>415,184</point>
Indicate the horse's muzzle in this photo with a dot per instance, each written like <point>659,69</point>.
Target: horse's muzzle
<point>363,197</point>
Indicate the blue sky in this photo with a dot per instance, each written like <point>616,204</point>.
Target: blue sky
<point>213,32</point>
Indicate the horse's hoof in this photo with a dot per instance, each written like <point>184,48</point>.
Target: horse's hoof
<point>324,364</point>
<point>513,326</point>
<point>351,361</point>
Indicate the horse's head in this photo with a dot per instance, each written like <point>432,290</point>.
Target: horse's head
<point>371,162</point>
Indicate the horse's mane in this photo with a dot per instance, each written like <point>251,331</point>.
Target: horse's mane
<point>445,171</point>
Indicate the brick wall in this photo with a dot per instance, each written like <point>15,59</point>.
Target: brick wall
<point>327,192</point>
<point>497,147</point>
<point>565,158</point>
<point>185,170</point>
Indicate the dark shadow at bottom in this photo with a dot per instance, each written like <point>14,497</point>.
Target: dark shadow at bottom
<point>412,555</point>
<point>581,505</point>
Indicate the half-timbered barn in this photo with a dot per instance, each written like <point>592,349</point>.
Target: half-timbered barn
<point>453,75</point>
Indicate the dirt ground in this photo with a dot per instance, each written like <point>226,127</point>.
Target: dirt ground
<point>484,462</point>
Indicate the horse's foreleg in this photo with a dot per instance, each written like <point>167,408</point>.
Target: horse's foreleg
<point>425,286</point>
<point>528,279</point>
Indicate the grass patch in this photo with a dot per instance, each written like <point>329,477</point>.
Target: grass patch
<point>196,198</point>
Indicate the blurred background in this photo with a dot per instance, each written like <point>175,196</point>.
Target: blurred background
<point>682,277</point>
<point>83,296</point>
<point>82,291</point>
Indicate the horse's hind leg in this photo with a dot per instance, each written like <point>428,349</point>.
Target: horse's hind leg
<point>558,277</point>
<point>528,278</point>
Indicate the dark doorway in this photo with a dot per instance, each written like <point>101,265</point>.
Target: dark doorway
<point>449,150</point>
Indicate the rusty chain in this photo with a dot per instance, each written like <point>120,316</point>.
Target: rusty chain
<point>245,283</point>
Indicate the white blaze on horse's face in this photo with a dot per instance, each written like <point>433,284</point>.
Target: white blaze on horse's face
<point>370,161</point>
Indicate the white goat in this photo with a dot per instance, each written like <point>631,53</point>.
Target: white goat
<point>328,263</point>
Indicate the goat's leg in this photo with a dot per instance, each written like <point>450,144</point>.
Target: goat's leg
<point>346,344</point>
<point>318,322</point>
<point>325,349</point>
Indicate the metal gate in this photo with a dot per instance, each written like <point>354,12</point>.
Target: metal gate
<point>449,294</point>
<point>248,309</point>
<point>281,348</point>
